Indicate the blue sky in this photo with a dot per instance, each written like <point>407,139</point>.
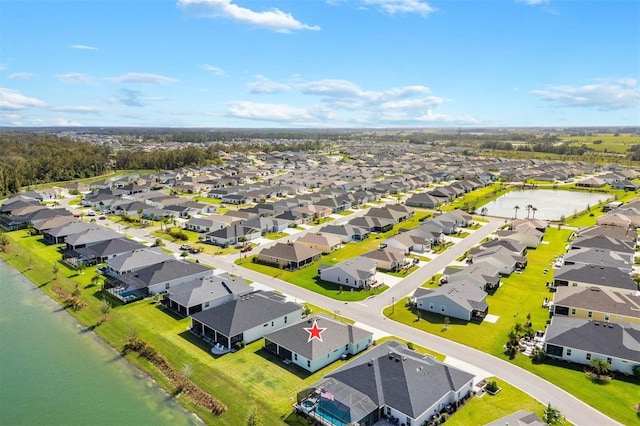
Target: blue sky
<point>320,63</point>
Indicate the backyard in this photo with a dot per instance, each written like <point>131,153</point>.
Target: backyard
<point>247,375</point>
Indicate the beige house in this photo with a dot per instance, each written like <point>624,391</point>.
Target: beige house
<point>598,304</point>
<point>324,243</point>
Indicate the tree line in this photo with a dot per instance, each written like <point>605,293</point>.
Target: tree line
<point>36,158</point>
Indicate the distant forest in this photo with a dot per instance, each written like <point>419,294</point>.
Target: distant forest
<point>34,158</point>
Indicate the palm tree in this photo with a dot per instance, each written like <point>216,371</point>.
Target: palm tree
<point>600,366</point>
<point>529,207</point>
<point>105,308</point>
<point>515,211</point>
<point>552,415</point>
<point>534,210</point>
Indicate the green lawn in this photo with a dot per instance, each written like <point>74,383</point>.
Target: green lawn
<point>276,235</point>
<point>478,197</point>
<point>248,375</point>
<point>307,277</point>
<point>529,290</point>
<point>614,398</point>
<point>488,408</point>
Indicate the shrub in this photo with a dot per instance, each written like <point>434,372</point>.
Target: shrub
<point>492,386</point>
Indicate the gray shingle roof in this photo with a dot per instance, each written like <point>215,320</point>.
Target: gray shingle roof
<point>391,374</point>
<point>291,252</point>
<point>208,289</point>
<point>619,340</point>
<point>598,275</point>
<point>336,335</point>
<point>168,271</point>
<point>469,296</point>
<point>237,316</point>
<point>138,259</point>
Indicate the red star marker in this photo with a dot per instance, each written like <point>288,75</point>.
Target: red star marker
<point>315,331</point>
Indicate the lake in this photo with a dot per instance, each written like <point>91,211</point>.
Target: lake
<point>550,204</point>
<point>54,372</point>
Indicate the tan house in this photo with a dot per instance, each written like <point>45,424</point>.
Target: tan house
<point>288,256</point>
<point>598,304</point>
<point>324,243</point>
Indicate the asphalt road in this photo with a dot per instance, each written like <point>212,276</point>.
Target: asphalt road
<point>369,312</point>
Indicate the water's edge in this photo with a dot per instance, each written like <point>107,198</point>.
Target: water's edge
<point>53,308</point>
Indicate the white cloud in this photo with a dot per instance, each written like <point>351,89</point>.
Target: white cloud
<point>12,100</point>
<point>269,112</point>
<point>74,77</point>
<point>343,103</point>
<point>605,95</point>
<point>393,7</point>
<point>21,76</point>
<point>62,122</point>
<point>142,78</point>
<point>77,109</point>
<point>343,89</point>
<point>264,85</point>
<point>83,47</point>
<point>215,70</point>
<point>273,19</point>
<point>11,119</point>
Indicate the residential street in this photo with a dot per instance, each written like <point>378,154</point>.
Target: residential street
<point>369,312</point>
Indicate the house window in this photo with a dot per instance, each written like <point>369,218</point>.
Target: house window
<point>346,347</point>
<point>338,279</point>
<point>346,280</point>
<point>606,317</point>
<point>166,286</point>
<point>295,357</point>
<point>388,411</point>
<point>588,356</point>
<point>271,323</point>
<point>408,421</point>
<point>206,304</point>
<point>431,306</point>
<point>285,320</point>
<point>568,352</point>
<point>573,311</point>
<point>308,363</point>
<point>609,360</point>
<point>442,308</point>
<point>589,314</point>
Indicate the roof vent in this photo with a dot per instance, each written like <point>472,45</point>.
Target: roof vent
<point>610,325</point>
<point>596,324</point>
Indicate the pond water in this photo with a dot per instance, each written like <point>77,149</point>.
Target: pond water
<point>54,372</point>
<point>550,204</point>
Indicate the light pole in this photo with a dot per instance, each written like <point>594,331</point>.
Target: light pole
<point>393,305</point>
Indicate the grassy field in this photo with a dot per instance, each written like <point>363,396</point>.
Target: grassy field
<point>604,142</point>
